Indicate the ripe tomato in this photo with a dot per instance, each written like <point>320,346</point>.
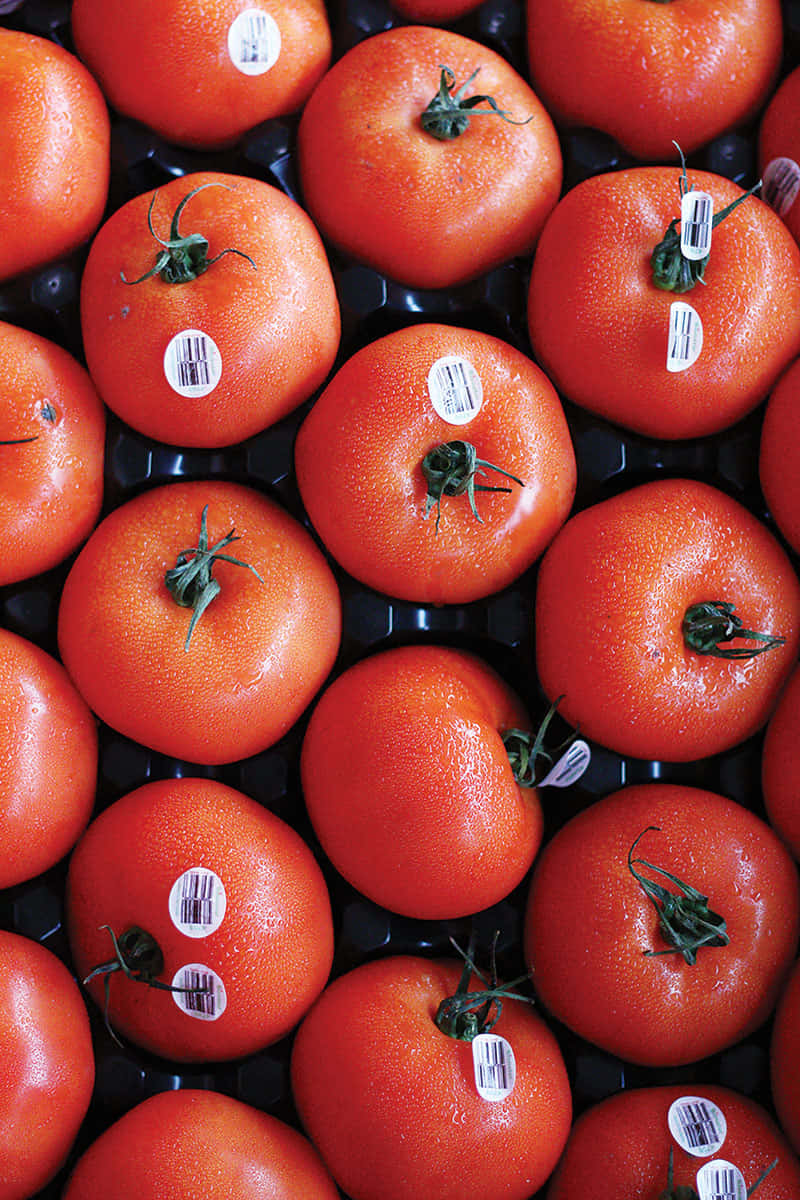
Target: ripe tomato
<point>780,768</point>
<point>427,212</point>
<point>599,952</point>
<point>614,591</point>
<point>209,360</point>
<point>187,1144</point>
<point>409,785</point>
<point>46,1064</point>
<point>52,439</point>
<point>48,748</point>
<point>779,152</point>
<point>202,73</point>
<point>654,74</point>
<point>785,1059</point>
<point>593,286</point>
<point>387,415</point>
<point>234,682</point>
<point>221,894</point>
<point>621,1147</point>
<point>54,147</point>
<point>371,1069</point>
<point>779,457</point>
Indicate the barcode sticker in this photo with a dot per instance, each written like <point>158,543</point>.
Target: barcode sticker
<point>570,766</point>
<point>780,184</point>
<point>697,212</point>
<point>254,42</point>
<point>685,336</point>
<point>192,363</point>
<point>720,1180</point>
<point>698,1125</point>
<point>495,1066</point>
<point>197,902</point>
<point>203,995</point>
<point>455,389</point>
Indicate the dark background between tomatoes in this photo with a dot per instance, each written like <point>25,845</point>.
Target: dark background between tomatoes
<point>499,628</point>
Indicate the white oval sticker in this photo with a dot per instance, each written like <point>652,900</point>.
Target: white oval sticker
<point>685,336</point>
<point>192,363</point>
<point>697,214</point>
<point>780,184</point>
<point>197,902</point>
<point>698,1125</point>
<point>495,1066</point>
<point>455,389</point>
<point>720,1180</point>
<point>254,42</point>
<point>201,992</point>
<point>570,766</point>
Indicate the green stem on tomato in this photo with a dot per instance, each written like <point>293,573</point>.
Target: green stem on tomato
<point>526,750</point>
<point>685,1191</point>
<point>466,1014</point>
<point>710,622</point>
<point>448,114</point>
<point>450,469</point>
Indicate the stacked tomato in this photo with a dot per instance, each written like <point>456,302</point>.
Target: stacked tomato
<point>396,588</point>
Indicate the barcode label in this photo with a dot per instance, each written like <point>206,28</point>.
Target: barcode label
<point>570,766</point>
<point>698,1125</point>
<point>780,184</point>
<point>197,902</point>
<point>455,389</point>
<point>495,1066</point>
<point>697,212</point>
<point>254,42</point>
<point>203,992</point>
<point>720,1180</point>
<point>685,339</point>
<point>192,363</point>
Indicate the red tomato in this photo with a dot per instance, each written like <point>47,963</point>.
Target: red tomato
<point>779,152</point>
<point>621,1147</point>
<point>48,748</point>
<point>380,421</point>
<point>614,591</point>
<point>52,439</point>
<point>654,74</point>
<point>427,212</point>
<point>785,1059</point>
<point>54,147</point>
<point>593,286</point>
<point>780,774</point>
<point>46,1065</point>
<point>779,458</point>
<point>409,786</point>
<point>202,73</point>
<point>391,1101</point>
<point>259,651</point>
<point>224,896</point>
<point>188,1144</point>
<point>212,359</point>
<point>600,956</point>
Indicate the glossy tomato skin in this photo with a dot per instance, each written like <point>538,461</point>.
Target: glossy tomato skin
<point>612,593</point>
<point>275,321</point>
<point>258,654</point>
<point>409,786</point>
<point>779,137</point>
<point>48,761</point>
<point>651,75</point>
<point>46,1064</point>
<point>394,196</point>
<point>169,63</point>
<point>54,146</point>
<point>272,948</point>
<point>785,1059</point>
<point>606,229</point>
<point>779,456</point>
<point>780,765</point>
<point>589,924</point>
<point>373,426</point>
<point>51,488</point>
<point>621,1147</point>
<point>370,1070</point>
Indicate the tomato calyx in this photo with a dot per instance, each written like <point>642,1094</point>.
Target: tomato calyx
<point>685,920</point>
<point>448,114</point>
<point>685,1191</point>
<point>710,622</point>
<point>526,750</point>
<point>466,1014</point>
<point>450,470</point>
<point>184,257</point>
<point>191,582</point>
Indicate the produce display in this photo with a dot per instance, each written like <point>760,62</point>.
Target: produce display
<point>399,599</point>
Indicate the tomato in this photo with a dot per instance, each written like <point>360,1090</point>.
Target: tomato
<point>614,590</point>
<point>434,12</point>
<point>779,151</point>
<point>190,1143</point>
<point>409,785</point>
<point>54,146</point>
<point>48,749</point>
<point>212,359</point>
<point>779,457</point>
<point>221,894</point>
<point>593,286</point>
<point>46,1064</point>
<point>228,680</point>
<point>427,212</point>
<point>52,440</point>
<point>780,768</point>
<point>202,73</point>
<point>785,1059</point>
<point>371,1069</point>
<point>653,74</point>
<point>388,415</point>
<point>601,957</point>
<point>622,1146</point>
